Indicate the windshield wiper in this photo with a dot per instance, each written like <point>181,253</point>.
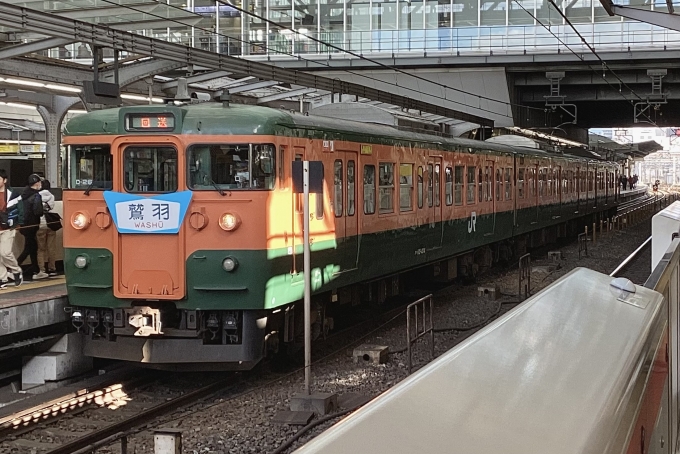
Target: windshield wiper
<point>217,188</point>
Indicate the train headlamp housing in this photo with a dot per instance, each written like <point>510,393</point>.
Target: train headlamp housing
<point>229,222</point>
<point>229,264</point>
<point>80,220</point>
<point>82,261</point>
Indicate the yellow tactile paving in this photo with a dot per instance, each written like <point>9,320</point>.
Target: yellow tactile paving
<point>29,285</point>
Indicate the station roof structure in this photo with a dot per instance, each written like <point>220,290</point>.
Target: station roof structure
<point>149,68</point>
<point>605,146</point>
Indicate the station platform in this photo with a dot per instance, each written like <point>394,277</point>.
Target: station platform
<point>34,304</point>
<point>629,194</point>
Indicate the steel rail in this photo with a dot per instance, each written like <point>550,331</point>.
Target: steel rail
<point>630,258</point>
<point>26,19</point>
<point>117,430</point>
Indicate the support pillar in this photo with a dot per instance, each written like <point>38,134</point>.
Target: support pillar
<point>53,116</point>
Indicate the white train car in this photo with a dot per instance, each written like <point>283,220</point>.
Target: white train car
<point>581,367</point>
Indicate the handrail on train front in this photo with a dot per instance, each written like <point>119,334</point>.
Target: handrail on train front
<point>665,279</point>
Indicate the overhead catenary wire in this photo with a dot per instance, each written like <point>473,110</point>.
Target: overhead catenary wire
<point>414,90</point>
<point>363,57</point>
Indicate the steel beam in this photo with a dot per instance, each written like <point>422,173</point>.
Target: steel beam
<point>107,11</point>
<point>253,86</point>
<point>34,46</point>
<point>285,94</point>
<point>16,17</point>
<point>669,21</point>
<point>197,79</point>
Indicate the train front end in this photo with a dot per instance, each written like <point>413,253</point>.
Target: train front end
<point>165,236</point>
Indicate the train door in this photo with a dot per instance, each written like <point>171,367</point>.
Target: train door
<point>578,188</point>
<point>149,265</point>
<point>344,207</point>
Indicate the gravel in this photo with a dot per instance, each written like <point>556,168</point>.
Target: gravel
<point>240,420</point>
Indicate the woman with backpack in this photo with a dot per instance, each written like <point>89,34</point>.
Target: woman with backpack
<point>47,234</point>
<point>32,208</point>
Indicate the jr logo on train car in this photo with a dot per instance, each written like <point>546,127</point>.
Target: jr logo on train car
<point>157,214</point>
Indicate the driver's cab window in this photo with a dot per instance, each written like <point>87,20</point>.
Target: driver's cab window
<point>232,166</point>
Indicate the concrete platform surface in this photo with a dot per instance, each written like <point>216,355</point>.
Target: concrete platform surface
<point>32,305</point>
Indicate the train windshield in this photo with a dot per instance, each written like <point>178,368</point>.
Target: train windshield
<point>231,166</point>
<point>150,169</point>
<point>90,166</point>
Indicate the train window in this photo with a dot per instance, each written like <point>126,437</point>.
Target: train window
<point>150,169</point>
<point>458,181</point>
<point>319,204</point>
<point>437,191</point>
<point>481,185</point>
<point>430,188</point>
<point>508,184</point>
<point>282,159</point>
<point>350,188</point>
<point>337,186</point>
<point>90,166</point>
<point>488,183</point>
<point>520,184</point>
<point>405,187</point>
<point>369,189</point>
<point>470,185</point>
<point>231,166</point>
<point>549,181</point>
<point>498,183</point>
<point>420,187</point>
<point>386,187</point>
<point>448,189</point>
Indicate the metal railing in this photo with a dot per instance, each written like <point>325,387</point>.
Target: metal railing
<point>524,290</point>
<point>414,329</point>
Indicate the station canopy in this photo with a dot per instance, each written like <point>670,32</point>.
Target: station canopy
<point>67,36</point>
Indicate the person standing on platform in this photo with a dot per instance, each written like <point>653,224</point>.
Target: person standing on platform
<point>624,182</point>
<point>8,263</point>
<point>47,234</point>
<point>33,211</point>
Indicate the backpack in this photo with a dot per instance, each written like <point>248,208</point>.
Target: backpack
<point>9,219</point>
<point>30,210</point>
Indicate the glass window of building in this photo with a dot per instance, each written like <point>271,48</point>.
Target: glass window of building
<point>492,12</point>
<point>150,169</point>
<point>332,19</point>
<point>384,15</point>
<point>580,11</point>
<point>411,15</point>
<point>465,14</point>
<point>405,187</point>
<point>548,15</point>
<point>517,14</point>
<point>437,14</point>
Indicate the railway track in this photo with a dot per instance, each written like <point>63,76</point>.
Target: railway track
<point>101,417</point>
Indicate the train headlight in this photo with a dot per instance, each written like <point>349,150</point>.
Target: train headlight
<point>80,220</point>
<point>229,264</point>
<point>81,261</point>
<point>229,222</point>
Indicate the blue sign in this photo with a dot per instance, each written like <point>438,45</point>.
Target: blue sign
<point>163,213</point>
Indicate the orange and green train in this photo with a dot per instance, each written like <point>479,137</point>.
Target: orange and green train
<point>183,240</point>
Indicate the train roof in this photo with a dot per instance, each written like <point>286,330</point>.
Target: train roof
<point>241,119</point>
<point>558,374</point>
